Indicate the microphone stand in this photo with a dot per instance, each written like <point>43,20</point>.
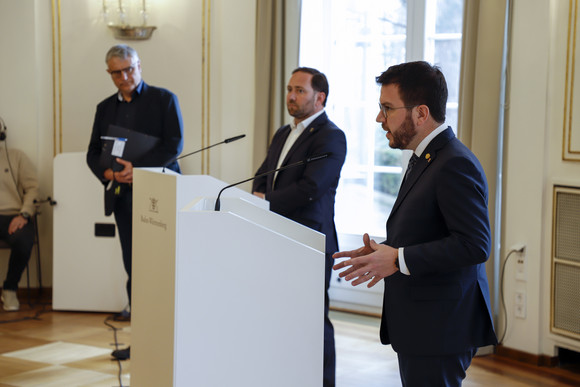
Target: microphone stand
<point>226,141</point>
<point>305,161</point>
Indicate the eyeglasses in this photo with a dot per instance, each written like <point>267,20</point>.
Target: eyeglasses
<point>127,70</point>
<point>386,109</point>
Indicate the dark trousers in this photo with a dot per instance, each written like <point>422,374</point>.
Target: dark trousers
<point>20,243</point>
<point>123,212</point>
<point>435,371</point>
<point>329,352</point>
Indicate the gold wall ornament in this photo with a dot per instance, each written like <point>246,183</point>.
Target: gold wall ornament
<point>124,16</point>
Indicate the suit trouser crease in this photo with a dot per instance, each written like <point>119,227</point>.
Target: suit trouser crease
<point>445,370</point>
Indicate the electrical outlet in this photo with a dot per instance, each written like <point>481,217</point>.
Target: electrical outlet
<point>520,311</point>
<point>520,304</point>
<point>521,272</point>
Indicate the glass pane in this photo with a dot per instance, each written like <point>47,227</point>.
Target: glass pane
<point>444,45</point>
<point>451,117</point>
<point>369,37</point>
<point>449,17</point>
<point>352,42</point>
<point>448,57</point>
<point>365,37</point>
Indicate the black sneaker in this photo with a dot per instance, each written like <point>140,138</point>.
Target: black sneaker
<point>122,354</point>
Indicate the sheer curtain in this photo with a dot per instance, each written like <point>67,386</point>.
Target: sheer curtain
<point>479,119</point>
<point>277,41</point>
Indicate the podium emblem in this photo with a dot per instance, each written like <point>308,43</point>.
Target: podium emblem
<point>153,205</point>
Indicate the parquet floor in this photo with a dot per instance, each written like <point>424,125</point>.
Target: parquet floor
<point>41,347</point>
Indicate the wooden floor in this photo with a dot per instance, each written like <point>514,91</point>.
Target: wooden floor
<point>41,347</point>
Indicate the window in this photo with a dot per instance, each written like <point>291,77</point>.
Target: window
<point>353,41</point>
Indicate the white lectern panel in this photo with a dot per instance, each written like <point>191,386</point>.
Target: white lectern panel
<point>252,304</point>
<point>265,218</point>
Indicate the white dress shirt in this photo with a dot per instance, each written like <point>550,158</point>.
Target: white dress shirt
<point>420,148</point>
<point>295,132</point>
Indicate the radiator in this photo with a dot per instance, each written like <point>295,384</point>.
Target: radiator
<point>565,297</point>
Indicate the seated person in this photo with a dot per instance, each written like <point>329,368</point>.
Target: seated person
<point>18,190</point>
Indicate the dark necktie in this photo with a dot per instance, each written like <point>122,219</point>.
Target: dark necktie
<point>412,162</point>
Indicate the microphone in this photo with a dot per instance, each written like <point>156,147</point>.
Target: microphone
<point>226,141</point>
<point>231,139</point>
<point>301,162</point>
<point>2,130</point>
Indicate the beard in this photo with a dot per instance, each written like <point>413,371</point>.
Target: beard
<point>402,136</point>
<point>301,111</point>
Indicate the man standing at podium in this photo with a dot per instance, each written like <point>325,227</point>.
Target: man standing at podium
<point>141,108</point>
<point>306,193</point>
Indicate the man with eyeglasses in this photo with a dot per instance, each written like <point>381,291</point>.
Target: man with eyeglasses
<point>141,108</point>
<point>436,305</point>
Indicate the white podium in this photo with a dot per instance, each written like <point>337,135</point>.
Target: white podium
<point>227,298</point>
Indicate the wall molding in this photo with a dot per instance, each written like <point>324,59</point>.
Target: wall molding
<point>205,85</point>
<point>56,77</point>
<point>571,131</point>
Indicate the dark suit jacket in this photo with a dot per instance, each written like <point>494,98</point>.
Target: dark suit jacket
<point>441,219</point>
<point>157,115</point>
<point>306,193</point>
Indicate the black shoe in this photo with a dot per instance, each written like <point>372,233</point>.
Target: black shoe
<point>122,354</point>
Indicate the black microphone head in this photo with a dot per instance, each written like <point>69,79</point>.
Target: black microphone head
<point>204,148</point>
<point>318,157</point>
<point>2,130</point>
<point>228,140</point>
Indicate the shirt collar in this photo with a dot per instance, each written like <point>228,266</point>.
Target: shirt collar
<point>423,144</point>
<point>304,123</point>
<point>137,91</point>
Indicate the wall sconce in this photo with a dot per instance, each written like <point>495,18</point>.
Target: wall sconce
<point>122,29</point>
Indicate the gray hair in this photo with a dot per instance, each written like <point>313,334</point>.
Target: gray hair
<point>121,51</point>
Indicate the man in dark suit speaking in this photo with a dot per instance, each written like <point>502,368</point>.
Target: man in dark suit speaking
<point>306,193</point>
<point>436,306</point>
<point>144,109</point>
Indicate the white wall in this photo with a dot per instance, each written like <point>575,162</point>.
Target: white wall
<point>557,170</point>
<point>172,58</point>
<point>26,101</point>
<point>533,164</point>
<point>232,95</point>
<point>525,160</point>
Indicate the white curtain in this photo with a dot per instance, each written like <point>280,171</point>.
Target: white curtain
<point>480,90</point>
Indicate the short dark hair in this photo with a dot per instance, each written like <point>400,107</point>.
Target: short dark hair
<point>419,84</point>
<point>319,82</point>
